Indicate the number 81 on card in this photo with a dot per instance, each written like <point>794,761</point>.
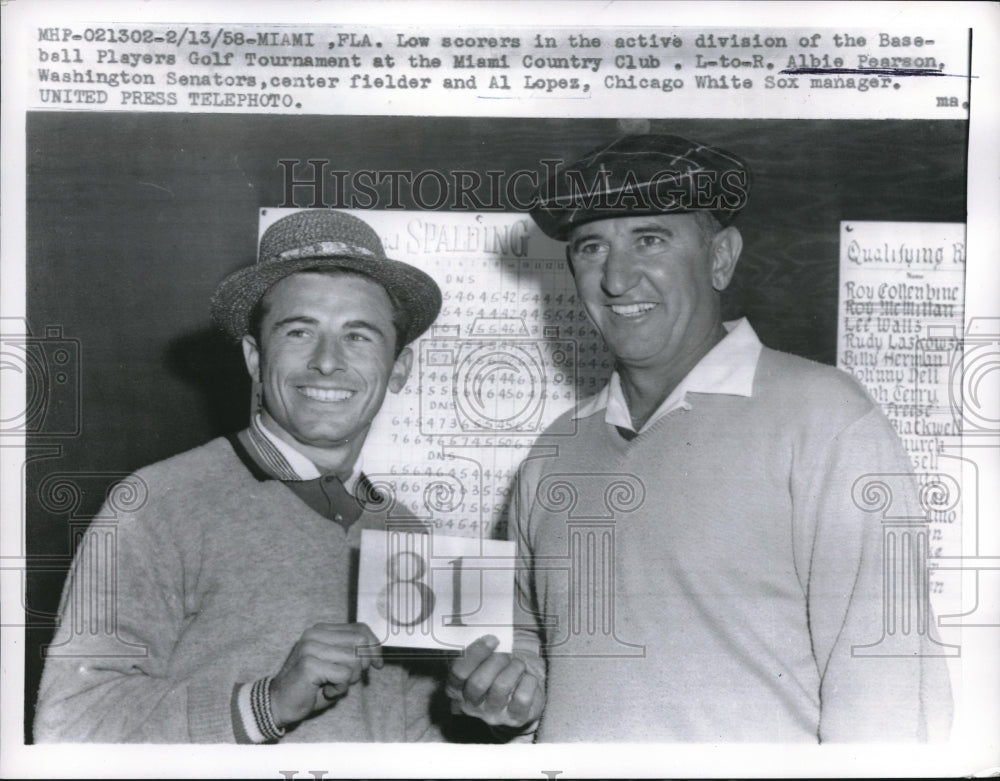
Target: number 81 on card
<point>435,591</point>
<point>406,600</point>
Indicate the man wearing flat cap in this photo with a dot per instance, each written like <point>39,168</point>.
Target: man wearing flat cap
<point>232,579</point>
<point>743,595</point>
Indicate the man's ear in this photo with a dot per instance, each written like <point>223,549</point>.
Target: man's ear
<point>401,370</point>
<point>251,355</point>
<point>725,248</point>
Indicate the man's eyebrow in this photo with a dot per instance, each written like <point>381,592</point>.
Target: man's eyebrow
<point>585,237</point>
<point>350,324</point>
<point>366,325</point>
<point>651,227</point>
<point>644,227</point>
<point>293,319</point>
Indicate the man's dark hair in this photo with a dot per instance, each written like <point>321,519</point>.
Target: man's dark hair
<point>400,319</point>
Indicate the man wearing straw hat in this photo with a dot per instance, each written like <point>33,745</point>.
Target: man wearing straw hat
<point>227,603</point>
<point>696,562</point>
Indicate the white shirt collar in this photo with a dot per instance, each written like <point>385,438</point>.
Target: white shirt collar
<point>728,368</point>
<point>302,466</point>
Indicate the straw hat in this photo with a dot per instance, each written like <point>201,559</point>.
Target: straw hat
<point>324,239</point>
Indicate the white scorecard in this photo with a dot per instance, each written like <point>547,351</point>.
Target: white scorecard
<point>435,591</point>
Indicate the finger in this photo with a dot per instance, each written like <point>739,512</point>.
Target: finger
<point>333,691</point>
<point>503,686</point>
<point>466,664</point>
<point>356,641</point>
<point>323,663</point>
<point>331,679</point>
<point>478,684</point>
<point>522,701</point>
<point>369,646</point>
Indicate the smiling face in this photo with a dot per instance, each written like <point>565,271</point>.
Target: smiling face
<point>325,358</point>
<point>651,286</point>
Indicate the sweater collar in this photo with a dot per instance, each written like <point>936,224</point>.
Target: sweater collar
<point>728,368</point>
<point>281,461</point>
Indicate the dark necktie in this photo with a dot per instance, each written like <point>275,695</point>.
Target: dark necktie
<point>626,433</point>
<point>327,496</point>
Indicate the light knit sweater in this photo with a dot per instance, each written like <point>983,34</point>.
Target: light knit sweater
<point>706,581</point>
<point>215,577</point>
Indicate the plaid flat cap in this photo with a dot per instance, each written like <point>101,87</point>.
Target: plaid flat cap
<point>642,174</point>
<point>324,239</point>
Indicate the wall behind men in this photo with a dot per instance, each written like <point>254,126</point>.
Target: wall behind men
<point>133,219</point>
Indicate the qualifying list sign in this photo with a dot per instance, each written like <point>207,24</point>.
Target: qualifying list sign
<point>902,295</point>
<point>435,591</point>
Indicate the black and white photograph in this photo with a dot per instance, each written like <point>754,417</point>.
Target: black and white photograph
<point>527,392</point>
